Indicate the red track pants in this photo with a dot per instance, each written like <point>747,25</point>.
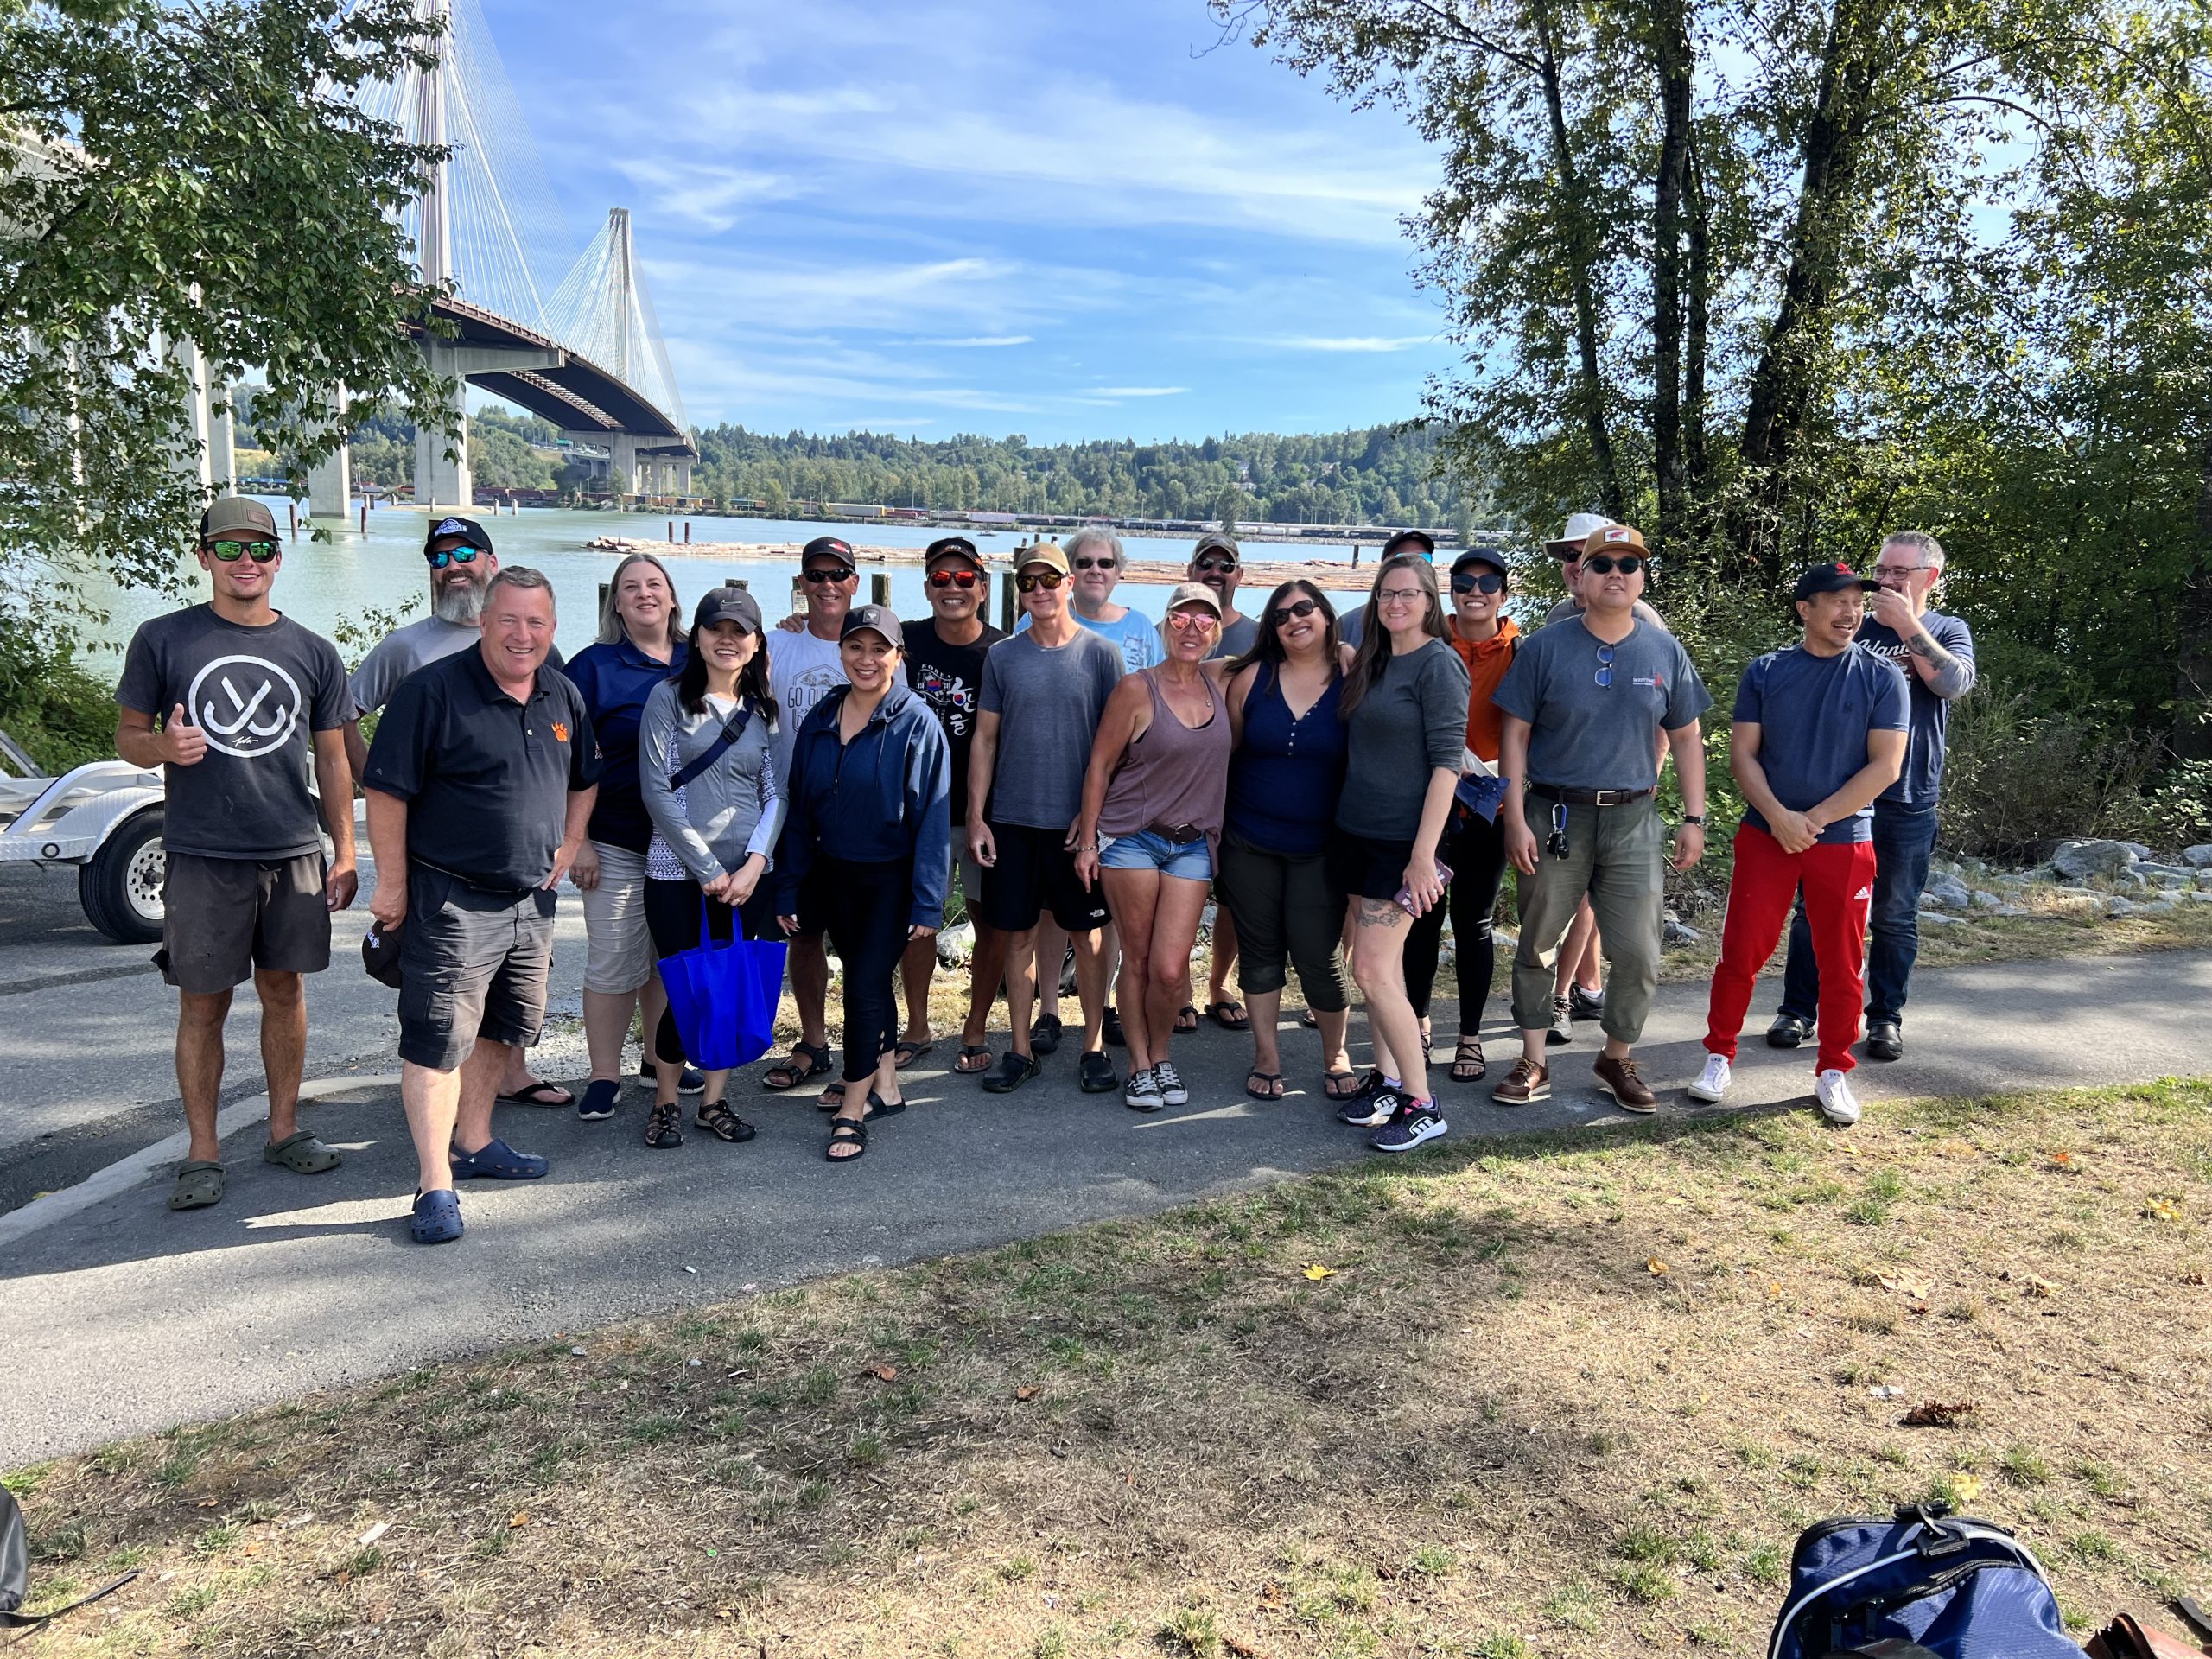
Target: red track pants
<point>1839,883</point>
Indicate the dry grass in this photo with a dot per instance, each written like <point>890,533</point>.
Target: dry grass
<point>1566,1394</point>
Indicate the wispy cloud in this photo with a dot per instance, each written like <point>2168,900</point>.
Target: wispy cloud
<point>981,339</point>
<point>1141,391</point>
<point>1355,342</point>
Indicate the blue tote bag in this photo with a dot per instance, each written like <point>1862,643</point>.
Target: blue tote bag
<point>723,997</point>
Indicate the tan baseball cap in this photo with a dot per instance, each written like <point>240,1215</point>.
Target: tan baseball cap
<point>1613,539</point>
<point>1194,593</point>
<point>1047,554</point>
<point>233,515</point>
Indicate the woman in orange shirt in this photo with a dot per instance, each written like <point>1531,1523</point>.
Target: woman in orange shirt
<point>1472,847</point>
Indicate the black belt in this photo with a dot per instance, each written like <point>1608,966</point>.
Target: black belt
<point>1589,797</point>
<point>1181,833</point>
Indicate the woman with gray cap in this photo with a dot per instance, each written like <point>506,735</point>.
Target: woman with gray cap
<point>1157,787</point>
<point>705,770</point>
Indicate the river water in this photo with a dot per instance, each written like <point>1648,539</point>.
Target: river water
<point>323,581</point>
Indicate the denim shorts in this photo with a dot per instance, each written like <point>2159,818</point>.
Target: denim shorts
<point>1149,850</point>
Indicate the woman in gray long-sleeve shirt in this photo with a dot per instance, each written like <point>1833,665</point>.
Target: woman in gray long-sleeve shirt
<point>1405,714</point>
<point>713,832</point>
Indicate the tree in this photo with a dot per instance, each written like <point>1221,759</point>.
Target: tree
<point>198,174</point>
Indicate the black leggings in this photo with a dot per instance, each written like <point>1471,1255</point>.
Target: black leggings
<point>672,917</point>
<point>866,910</point>
<point>1474,848</point>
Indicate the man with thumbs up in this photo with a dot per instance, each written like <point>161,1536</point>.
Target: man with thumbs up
<point>250,695</point>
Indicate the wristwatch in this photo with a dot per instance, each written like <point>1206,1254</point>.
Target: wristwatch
<point>1697,818</point>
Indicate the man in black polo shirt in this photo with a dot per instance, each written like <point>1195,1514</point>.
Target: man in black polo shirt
<point>480,783</point>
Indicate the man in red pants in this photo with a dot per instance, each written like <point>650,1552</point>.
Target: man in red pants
<point>1819,731</point>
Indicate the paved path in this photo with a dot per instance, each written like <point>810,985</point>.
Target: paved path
<point>124,1318</point>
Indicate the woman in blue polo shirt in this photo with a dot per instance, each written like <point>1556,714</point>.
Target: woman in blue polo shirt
<point>640,645</point>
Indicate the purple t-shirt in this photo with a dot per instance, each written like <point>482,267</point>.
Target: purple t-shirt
<point>1813,714</point>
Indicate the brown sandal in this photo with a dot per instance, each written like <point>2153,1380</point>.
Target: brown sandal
<point>716,1118</point>
<point>1467,1066</point>
<point>661,1132</point>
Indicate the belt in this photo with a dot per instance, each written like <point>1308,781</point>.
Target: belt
<point>1180,834</point>
<point>1589,797</point>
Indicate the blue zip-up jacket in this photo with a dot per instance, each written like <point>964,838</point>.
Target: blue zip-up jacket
<point>888,794</point>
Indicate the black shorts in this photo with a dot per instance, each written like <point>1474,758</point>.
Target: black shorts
<point>223,918</point>
<point>472,963</point>
<point>1035,872</point>
<point>1362,867</point>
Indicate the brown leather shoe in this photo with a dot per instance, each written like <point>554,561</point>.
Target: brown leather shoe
<point>1619,1079</point>
<point>1527,1081</point>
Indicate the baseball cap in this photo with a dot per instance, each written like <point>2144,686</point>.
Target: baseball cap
<point>1613,539</point>
<point>477,536</point>
<point>727,605</point>
<point>230,514</point>
<point>1834,577</point>
<point>952,547</point>
<point>877,619</point>
<point>1482,555</point>
<point>1403,538</point>
<point>380,956</point>
<point>1217,543</point>
<point>1569,545</point>
<point>1194,593</point>
<point>828,547</point>
<point>1047,554</point>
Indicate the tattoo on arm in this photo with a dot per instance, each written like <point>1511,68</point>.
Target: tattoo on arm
<point>1950,675</point>
<point>1382,913</point>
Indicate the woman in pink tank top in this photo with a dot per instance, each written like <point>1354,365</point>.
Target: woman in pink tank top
<point>1153,803</point>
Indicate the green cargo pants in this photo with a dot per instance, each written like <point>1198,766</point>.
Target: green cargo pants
<point>1617,855</point>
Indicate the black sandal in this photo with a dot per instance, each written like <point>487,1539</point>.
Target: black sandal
<point>817,1062</point>
<point>1340,1085</point>
<point>878,1107</point>
<point>1469,1067</point>
<point>661,1132</point>
<point>1271,1081</point>
<point>846,1132</point>
<point>832,1097</point>
<point>977,1052</point>
<point>716,1118</point>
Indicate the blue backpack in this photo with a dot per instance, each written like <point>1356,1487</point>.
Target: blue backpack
<point>1917,1586</point>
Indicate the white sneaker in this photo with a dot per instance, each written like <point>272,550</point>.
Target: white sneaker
<point>1712,1083</point>
<point>1832,1090</point>
<point>1170,1086</point>
<point>1141,1093</point>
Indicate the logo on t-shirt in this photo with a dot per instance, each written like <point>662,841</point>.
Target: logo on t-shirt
<point>247,706</point>
<point>560,731</point>
<point>809,686</point>
<point>952,698</point>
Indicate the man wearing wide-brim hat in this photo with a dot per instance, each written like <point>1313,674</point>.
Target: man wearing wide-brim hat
<point>1566,548</point>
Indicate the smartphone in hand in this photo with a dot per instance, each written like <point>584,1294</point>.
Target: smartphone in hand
<point>1405,899</point>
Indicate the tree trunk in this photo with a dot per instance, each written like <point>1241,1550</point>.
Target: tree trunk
<point>1590,388</point>
<point>2193,664</point>
<point>1671,46</point>
<point>1696,463</point>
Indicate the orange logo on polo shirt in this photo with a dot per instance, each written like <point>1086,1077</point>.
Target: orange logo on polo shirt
<point>560,732</point>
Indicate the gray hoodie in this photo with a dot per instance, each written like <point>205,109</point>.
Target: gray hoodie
<point>733,809</point>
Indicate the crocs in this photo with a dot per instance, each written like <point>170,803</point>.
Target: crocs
<point>199,1184</point>
<point>301,1153</point>
<point>437,1217</point>
<point>498,1161</point>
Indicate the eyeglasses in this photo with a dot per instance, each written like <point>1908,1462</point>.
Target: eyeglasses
<point>462,555</point>
<point>229,552</point>
<point>1092,565</point>
<point>1603,564</point>
<point>1604,668</point>
<point>1881,570</point>
<point>823,577</point>
<point>1212,561</point>
<point>953,578</point>
<point>1191,621</point>
<point>1297,611</point>
<point>1489,582</point>
<point>1399,596</point>
<point>1030,581</point>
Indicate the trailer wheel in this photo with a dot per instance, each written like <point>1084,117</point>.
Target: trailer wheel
<point>120,886</point>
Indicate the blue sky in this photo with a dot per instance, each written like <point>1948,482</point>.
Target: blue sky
<point>1066,221</point>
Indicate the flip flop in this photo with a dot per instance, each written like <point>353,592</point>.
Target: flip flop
<point>539,1093</point>
<point>199,1184</point>
<point>975,1051</point>
<point>301,1153</point>
<point>1333,1084</point>
<point>1272,1079</point>
<point>1309,1021</point>
<point>906,1053</point>
<point>1192,1024</point>
<point>817,1062</point>
<point>1242,1021</point>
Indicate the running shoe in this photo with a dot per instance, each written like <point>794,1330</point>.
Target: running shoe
<point>1712,1083</point>
<point>1415,1122</point>
<point>1832,1090</point>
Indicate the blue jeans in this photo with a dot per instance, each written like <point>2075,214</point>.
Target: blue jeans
<point>1147,849</point>
<point>1905,839</point>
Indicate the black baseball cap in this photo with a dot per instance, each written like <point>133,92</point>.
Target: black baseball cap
<point>1835,578</point>
<point>380,956</point>
<point>727,605</point>
<point>1400,539</point>
<point>828,547</point>
<point>1482,555</point>
<point>476,535</point>
<point>954,547</point>
<point>878,618</point>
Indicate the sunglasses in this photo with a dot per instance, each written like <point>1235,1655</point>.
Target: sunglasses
<point>1295,612</point>
<point>1030,581</point>
<point>1603,564</point>
<point>1093,564</point>
<point>953,578</point>
<point>823,577</point>
<point>1212,561</point>
<point>229,552</point>
<point>1488,582</point>
<point>1191,621</point>
<point>462,555</point>
<point>1604,668</point>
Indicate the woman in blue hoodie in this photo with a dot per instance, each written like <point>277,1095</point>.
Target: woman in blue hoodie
<point>863,853</point>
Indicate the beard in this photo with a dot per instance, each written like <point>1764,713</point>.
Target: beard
<point>458,602</point>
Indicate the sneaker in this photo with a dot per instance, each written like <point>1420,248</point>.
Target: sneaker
<point>1371,1109</point>
<point>1527,1081</point>
<point>693,1082</point>
<point>1585,1005</point>
<point>1562,1029</point>
<point>1788,1031</point>
<point>1832,1090</point>
<point>597,1099</point>
<point>1416,1121</point>
<point>1141,1094</point>
<point>1884,1041</point>
<point>1170,1086</point>
<point>1620,1079</point>
<point>1712,1083</point>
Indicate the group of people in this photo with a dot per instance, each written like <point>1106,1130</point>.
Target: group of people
<point>1339,787</point>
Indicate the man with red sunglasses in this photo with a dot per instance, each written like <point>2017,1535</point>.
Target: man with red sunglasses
<point>944,666</point>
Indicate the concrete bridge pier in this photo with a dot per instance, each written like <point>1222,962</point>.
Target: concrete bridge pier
<point>444,476</point>
<point>330,483</point>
